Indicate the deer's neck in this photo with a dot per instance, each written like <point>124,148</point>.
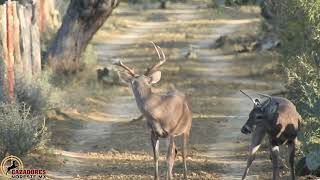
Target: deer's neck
<point>141,94</point>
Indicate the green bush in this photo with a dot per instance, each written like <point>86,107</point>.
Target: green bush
<point>297,23</point>
<point>240,2</point>
<point>38,92</point>
<point>20,131</point>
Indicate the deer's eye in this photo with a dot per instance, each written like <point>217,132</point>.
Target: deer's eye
<point>259,117</point>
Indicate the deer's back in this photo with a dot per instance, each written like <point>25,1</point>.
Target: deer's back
<point>286,121</point>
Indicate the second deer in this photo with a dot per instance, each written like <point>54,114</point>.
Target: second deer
<point>278,118</point>
<point>167,115</point>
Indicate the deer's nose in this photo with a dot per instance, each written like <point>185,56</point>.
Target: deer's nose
<point>246,129</point>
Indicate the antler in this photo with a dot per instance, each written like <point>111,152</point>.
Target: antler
<point>267,96</point>
<point>129,70</point>
<point>161,60</point>
<point>255,101</point>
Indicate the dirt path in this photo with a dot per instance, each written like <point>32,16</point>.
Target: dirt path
<point>224,149</point>
<point>229,140</point>
<point>103,144</point>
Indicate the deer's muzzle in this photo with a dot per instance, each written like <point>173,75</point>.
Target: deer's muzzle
<point>246,129</point>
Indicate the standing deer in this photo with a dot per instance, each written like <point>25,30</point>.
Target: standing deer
<point>167,115</point>
<point>278,118</point>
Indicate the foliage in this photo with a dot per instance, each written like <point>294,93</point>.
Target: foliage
<point>19,130</point>
<point>298,24</point>
<point>313,160</point>
<point>38,93</point>
<point>89,56</point>
<point>240,2</point>
<point>144,1</point>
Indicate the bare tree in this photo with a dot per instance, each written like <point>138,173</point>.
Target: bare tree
<point>81,21</point>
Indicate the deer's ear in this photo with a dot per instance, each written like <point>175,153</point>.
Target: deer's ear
<point>257,102</point>
<point>155,77</point>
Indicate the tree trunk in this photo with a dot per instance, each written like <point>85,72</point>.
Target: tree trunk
<point>163,4</point>
<point>3,50</point>
<point>48,16</point>
<point>81,22</point>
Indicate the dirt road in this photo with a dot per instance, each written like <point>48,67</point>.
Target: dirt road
<point>103,143</point>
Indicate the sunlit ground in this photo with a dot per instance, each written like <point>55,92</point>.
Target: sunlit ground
<point>95,139</point>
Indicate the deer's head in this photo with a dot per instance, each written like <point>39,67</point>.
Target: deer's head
<point>141,84</point>
<point>261,112</point>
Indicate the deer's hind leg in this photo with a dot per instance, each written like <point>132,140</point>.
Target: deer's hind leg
<point>170,157</point>
<point>275,160</point>
<point>292,150</point>
<point>184,154</point>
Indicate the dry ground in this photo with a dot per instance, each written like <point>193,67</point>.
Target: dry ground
<point>96,139</point>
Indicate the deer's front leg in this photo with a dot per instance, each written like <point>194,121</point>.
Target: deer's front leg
<point>257,137</point>
<point>170,157</point>
<point>275,160</point>
<point>155,148</point>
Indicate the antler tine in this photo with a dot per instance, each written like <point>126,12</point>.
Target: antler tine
<point>266,103</point>
<point>248,97</point>
<point>161,60</point>
<point>156,48</point>
<point>265,95</point>
<point>163,55</point>
<point>129,70</point>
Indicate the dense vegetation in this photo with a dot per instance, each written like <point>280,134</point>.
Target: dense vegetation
<point>297,23</point>
<point>240,2</point>
<point>20,130</point>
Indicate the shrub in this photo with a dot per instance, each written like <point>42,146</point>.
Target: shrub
<point>240,2</point>
<point>297,22</point>
<point>38,93</point>
<point>19,130</point>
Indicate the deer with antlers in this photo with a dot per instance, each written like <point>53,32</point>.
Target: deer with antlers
<point>167,115</point>
<point>278,118</point>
